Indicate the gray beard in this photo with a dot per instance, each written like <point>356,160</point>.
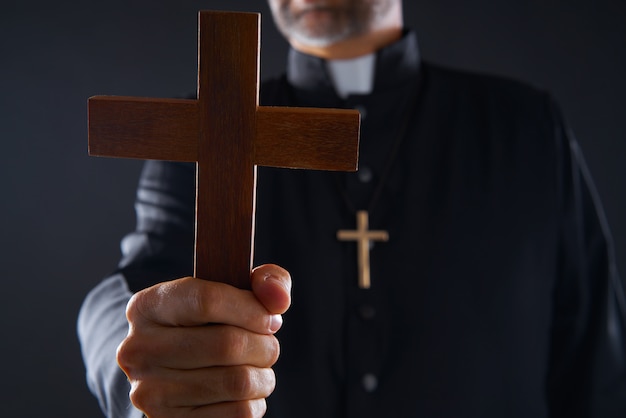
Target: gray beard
<point>336,31</point>
<point>319,40</point>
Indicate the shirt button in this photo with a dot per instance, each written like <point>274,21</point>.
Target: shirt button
<point>365,174</point>
<point>361,110</point>
<point>367,312</point>
<point>369,382</point>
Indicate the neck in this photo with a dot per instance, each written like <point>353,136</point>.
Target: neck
<point>353,47</point>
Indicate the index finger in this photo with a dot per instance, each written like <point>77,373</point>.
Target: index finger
<point>191,302</point>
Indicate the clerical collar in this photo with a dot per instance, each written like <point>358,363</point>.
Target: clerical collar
<point>394,66</point>
<point>352,76</point>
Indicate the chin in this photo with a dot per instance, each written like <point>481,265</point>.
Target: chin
<point>318,38</point>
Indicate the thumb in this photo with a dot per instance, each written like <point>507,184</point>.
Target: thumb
<point>271,285</point>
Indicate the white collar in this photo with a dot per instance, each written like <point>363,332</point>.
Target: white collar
<point>352,76</point>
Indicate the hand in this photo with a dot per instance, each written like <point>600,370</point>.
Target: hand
<point>205,349</point>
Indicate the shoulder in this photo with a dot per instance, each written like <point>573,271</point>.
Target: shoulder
<point>483,88</point>
<point>471,82</point>
<point>501,99</point>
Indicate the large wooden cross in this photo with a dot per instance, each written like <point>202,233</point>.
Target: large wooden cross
<point>227,134</point>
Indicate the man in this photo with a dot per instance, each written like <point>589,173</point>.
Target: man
<point>495,296</point>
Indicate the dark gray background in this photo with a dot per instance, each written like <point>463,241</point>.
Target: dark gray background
<point>62,213</point>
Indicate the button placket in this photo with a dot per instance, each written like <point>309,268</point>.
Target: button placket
<point>365,174</point>
<point>369,382</point>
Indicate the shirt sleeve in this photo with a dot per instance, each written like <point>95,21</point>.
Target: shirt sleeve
<point>159,249</point>
<point>101,327</point>
<point>587,375</point>
<point>162,246</point>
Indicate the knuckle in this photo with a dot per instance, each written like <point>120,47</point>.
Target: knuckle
<point>205,300</point>
<point>128,356</point>
<point>249,409</point>
<point>244,383</point>
<point>153,397</point>
<point>236,346</point>
<point>132,307</point>
<point>273,350</point>
<point>135,355</point>
<point>241,383</point>
<point>247,383</point>
<point>141,304</point>
<point>270,382</point>
<point>143,398</point>
<point>233,345</point>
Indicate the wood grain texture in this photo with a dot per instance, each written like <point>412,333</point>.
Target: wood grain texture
<point>322,139</point>
<point>131,127</point>
<point>227,134</point>
<point>228,77</point>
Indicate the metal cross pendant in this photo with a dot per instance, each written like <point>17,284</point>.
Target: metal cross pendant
<point>363,237</point>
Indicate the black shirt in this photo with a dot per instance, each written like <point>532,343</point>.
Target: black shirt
<point>496,295</point>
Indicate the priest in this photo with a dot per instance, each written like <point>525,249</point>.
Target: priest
<point>466,269</point>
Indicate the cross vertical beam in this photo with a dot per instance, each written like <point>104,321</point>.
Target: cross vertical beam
<point>229,126</point>
<point>227,134</point>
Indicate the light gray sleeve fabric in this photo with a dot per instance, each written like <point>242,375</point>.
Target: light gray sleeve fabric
<point>102,326</point>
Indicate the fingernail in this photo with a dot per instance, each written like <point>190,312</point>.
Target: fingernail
<point>269,277</point>
<point>276,321</point>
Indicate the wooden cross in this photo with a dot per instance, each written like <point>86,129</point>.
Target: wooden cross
<point>227,134</point>
<point>363,236</point>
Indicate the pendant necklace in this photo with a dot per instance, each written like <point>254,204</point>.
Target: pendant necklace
<point>362,235</point>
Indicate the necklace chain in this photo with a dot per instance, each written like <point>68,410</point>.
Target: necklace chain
<point>393,153</point>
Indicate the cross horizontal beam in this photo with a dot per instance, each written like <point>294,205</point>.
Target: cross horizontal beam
<point>227,134</point>
<point>168,129</point>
